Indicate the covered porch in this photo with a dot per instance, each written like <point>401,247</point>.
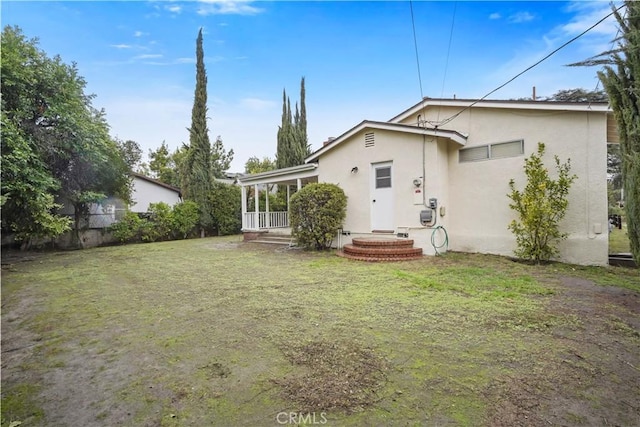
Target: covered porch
<point>261,217</point>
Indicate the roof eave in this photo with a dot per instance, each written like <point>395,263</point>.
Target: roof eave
<point>511,104</point>
<point>394,127</point>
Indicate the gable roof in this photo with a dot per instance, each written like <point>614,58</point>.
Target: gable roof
<point>507,104</point>
<point>156,182</point>
<point>452,135</point>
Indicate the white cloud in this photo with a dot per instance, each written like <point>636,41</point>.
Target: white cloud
<point>121,46</point>
<point>588,13</point>
<point>149,56</point>
<point>257,104</point>
<point>185,61</point>
<point>495,15</point>
<point>228,7</point>
<point>140,34</point>
<point>174,8</point>
<point>520,17</point>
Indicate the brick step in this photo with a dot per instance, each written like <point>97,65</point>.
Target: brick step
<point>382,251</point>
<point>379,259</point>
<point>380,241</point>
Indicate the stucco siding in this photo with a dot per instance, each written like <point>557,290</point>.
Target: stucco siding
<point>405,151</point>
<point>480,212</point>
<point>145,193</point>
<point>473,205</point>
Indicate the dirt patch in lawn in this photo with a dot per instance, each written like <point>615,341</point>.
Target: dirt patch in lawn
<point>334,375</point>
<point>591,376</point>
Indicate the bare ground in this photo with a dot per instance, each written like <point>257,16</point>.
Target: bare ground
<point>111,376</point>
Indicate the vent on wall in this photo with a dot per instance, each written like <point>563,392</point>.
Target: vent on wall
<point>369,140</point>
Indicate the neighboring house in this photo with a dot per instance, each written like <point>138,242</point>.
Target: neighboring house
<point>447,163</point>
<point>148,190</point>
<point>145,191</point>
<point>230,178</point>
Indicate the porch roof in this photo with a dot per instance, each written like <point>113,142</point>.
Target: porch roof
<point>281,176</point>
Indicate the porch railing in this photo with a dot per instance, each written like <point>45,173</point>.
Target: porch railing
<point>265,220</point>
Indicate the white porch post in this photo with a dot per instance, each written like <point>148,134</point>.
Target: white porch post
<point>267,220</point>
<point>288,195</point>
<point>257,203</point>
<point>299,181</point>
<point>244,207</point>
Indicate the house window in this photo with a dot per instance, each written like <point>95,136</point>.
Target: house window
<point>383,177</point>
<point>369,140</point>
<point>474,153</point>
<point>507,149</point>
<point>499,150</point>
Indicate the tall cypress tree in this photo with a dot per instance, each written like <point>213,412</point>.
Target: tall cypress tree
<point>293,146</point>
<point>304,139</point>
<point>620,80</point>
<point>197,176</point>
<point>283,148</point>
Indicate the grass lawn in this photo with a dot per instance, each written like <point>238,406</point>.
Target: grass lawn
<point>619,241</point>
<point>218,332</point>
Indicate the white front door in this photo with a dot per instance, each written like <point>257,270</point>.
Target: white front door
<point>382,196</point>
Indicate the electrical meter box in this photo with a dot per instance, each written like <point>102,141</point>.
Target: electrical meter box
<point>426,216</point>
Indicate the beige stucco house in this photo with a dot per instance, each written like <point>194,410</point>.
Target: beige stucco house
<point>444,165</point>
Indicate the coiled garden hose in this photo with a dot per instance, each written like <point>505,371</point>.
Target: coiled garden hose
<point>445,243</point>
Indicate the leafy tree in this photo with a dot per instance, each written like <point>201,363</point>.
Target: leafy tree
<point>93,171</point>
<point>255,165</point>
<point>53,129</point>
<point>317,211</point>
<point>130,152</point>
<point>220,158</point>
<point>579,95</point>
<point>540,207</point>
<point>27,190</point>
<point>620,80</point>
<point>163,166</point>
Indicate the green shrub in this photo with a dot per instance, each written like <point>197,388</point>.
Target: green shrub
<point>185,219</point>
<point>160,223</point>
<point>316,213</point>
<point>226,205</point>
<point>129,228</point>
<point>540,207</point>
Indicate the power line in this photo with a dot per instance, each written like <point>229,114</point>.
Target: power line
<point>415,44</point>
<point>447,120</point>
<point>446,64</point>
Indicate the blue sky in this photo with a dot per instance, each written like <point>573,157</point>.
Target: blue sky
<point>358,58</point>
